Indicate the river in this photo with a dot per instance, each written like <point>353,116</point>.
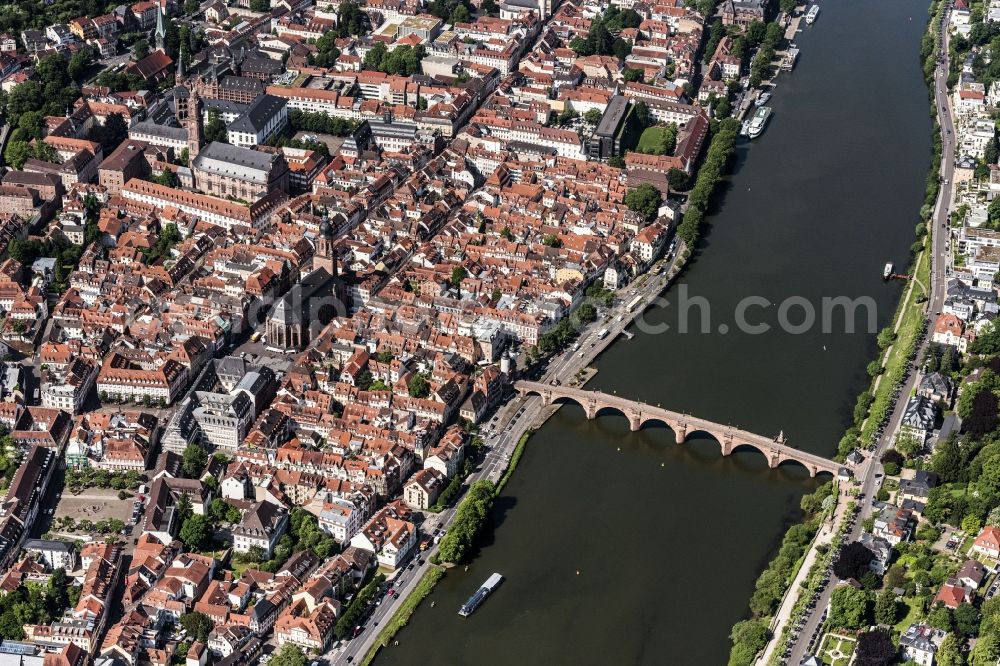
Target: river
<point>622,547</point>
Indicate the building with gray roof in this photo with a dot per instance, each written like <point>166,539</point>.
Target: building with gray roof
<point>263,118</point>
<point>237,172</point>
<point>159,135</point>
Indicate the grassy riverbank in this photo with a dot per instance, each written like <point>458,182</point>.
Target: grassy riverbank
<point>402,615</point>
<point>514,459</point>
<point>909,326</point>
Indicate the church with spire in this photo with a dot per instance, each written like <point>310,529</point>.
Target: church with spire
<point>188,109</point>
<point>160,33</point>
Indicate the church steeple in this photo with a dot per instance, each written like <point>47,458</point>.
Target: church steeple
<point>161,30</point>
<point>179,78</point>
<point>194,124</point>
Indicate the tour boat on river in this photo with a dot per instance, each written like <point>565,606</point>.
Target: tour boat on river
<point>480,595</point>
<point>758,122</point>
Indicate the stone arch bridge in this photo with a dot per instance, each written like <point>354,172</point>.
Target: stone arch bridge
<point>773,448</point>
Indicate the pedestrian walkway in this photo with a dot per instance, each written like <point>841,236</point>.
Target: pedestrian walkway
<point>781,619</point>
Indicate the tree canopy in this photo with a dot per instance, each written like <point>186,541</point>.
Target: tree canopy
<point>402,60</point>
<point>848,608</point>
<point>603,39</point>
<point>198,625</point>
<point>875,648</point>
<point>288,655</point>
<point>469,519</point>
<point>645,200</point>
<point>853,561</point>
<point>193,460</point>
<point>196,532</point>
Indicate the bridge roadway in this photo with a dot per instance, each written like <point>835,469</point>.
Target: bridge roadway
<point>773,448</point>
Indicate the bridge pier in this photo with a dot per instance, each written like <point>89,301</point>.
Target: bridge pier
<point>680,433</point>
<point>774,461</point>
<point>727,445</point>
<point>635,421</point>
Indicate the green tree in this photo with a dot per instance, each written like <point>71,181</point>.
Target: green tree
<point>288,655</point>
<point>196,532</point>
<point>677,179</point>
<point>458,273</point>
<point>217,509</point>
<point>215,128</point>
<point>908,444</point>
<point>966,619</point>
<point>940,617</point>
<point>848,608</point>
<point>895,577</point>
<point>418,386</point>
<point>198,625</point>
<point>140,50</point>
<point>645,200</point>
<point>167,177</point>
<point>885,338</point>
<point>469,519</point>
<point>971,524</point>
<point>193,461</point>
<point>874,648</point>
<point>593,116</point>
<point>326,49</point>
<point>749,637</point>
<point>950,652</point>
<point>948,461</point>
<point>459,15</point>
<point>886,608</point>
<point>77,66</point>
<point>630,74</point>
<point>17,153</point>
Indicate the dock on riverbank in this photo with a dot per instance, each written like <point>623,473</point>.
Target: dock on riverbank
<point>793,27</point>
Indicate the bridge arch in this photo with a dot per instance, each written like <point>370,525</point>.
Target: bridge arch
<point>685,433</point>
<point>651,421</point>
<point>601,409</point>
<point>813,470</point>
<point>740,445</point>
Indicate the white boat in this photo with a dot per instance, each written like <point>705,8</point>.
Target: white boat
<point>479,596</point>
<point>788,61</point>
<point>813,13</point>
<point>887,271</point>
<point>763,99</point>
<point>758,122</point>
